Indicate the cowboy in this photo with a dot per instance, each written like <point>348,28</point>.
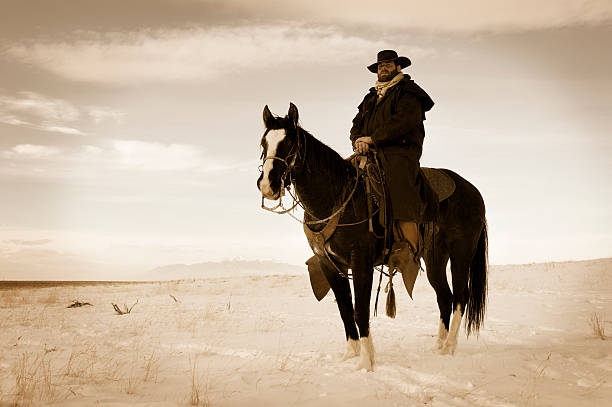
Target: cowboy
<point>390,119</point>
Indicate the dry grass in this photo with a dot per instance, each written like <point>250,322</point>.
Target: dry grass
<point>23,296</point>
<point>283,362</point>
<point>597,325</point>
<point>35,381</point>
<point>6,317</point>
<point>125,309</point>
<point>166,287</point>
<point>151,367</point>
<point>33,317</point>
<point>82,363</point>
<point>199,390</point>
<point>210,311</point>
<point>49,297</point>
<point>138,327</point>
<point>24,317</point>
<point>8,298</point>
<point>25,380</point>
<point>130,384</point>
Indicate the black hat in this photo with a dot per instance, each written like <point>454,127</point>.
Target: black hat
<point>389,55</point>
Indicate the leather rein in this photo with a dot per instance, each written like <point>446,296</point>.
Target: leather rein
<point>331,219</point>
<point>296,201</point>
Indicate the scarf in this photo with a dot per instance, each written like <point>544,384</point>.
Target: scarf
<point>382,87</point>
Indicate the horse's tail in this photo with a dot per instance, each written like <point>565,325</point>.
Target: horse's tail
<point>477,285</point>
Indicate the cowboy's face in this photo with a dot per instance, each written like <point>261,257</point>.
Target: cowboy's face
<point>387,70</point>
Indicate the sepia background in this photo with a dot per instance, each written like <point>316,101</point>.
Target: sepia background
<point>129,131</point>
<point>129,150</point>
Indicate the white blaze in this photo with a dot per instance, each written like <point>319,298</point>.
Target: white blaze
<point>273,139</point>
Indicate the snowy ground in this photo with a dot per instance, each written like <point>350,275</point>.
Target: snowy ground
<point>265,340</point>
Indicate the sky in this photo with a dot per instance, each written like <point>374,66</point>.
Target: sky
<point>129,130</point>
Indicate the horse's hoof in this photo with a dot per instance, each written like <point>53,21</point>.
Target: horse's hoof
<point>365,364</point>
<point>348,356</point>
<point>352,350</point>
<point>448,349</point>
<point>366,356</point>
<point>437,347</point>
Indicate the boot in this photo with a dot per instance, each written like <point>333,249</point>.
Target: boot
<point>406,260</point>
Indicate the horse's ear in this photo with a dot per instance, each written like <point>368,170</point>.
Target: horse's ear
<point>267,116</point>
<point>293,114</point>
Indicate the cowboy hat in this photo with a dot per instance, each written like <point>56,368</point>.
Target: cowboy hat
<point>389,55</point>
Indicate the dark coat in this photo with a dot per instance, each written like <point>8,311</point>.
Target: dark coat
<point>395,124</point>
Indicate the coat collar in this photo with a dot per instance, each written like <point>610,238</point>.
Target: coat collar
<point>409,86</point>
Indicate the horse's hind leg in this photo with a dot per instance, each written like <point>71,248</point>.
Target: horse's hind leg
<point>436,274</point>
<point>342,291</point>
<point>459,270</point>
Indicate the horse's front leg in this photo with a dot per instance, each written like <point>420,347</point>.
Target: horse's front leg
<point>362,267</point>
<point>342,291</point>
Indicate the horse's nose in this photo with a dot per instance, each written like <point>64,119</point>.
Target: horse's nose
<point>258,181</point>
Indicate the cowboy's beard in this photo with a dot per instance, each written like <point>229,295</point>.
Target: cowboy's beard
<point>386,74</point>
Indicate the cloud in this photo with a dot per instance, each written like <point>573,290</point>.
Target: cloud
<point>433,15</point>
<point>35,111</point>
<point>37,105</point>
<point>92,150</point>
<point>149,156</point>
<point>64,130</point>
<point>28,242</point>
<point>31,151</point>
<point>287,34</point>
<point>154,156</point>
<point>140,159</point>
<point>187,55</point>
<point>98,114</point>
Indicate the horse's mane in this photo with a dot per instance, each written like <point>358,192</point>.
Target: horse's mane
<point>321,158</point>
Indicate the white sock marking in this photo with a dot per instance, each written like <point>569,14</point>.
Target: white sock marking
<point>366,356</point>
<point>451,341</point>
<point>352,349</point>
<point>442,334</point>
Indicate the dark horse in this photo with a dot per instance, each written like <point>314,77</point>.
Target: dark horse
<point>323,181</point>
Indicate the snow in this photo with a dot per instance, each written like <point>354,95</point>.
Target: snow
<point>251,340</point>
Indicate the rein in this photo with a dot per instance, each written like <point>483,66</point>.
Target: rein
<point>296,200</point>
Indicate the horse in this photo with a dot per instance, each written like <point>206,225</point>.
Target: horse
<point>324,183</point>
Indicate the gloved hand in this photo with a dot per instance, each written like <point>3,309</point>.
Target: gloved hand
<point>362,144</point>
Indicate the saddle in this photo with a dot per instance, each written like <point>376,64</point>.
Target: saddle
<point>439,182</point>
<point>442,184</point>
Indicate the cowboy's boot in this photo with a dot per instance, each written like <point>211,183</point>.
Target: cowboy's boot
<point>406,260</point>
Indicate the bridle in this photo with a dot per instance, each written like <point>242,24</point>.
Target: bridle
<point>292,156</point>
<point>296,201</point>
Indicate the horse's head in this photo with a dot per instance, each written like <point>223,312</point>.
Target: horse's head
<point>279,151</point>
